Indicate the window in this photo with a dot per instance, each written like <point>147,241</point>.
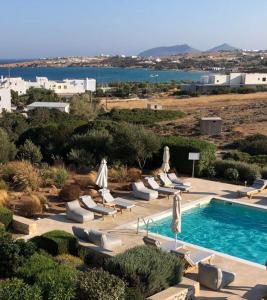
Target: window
<point>65,87</point>
<point>264,79</point>
<point>59,87</point>
<point>218,80</point>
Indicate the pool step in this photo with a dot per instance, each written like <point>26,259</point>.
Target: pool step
<point>187,289</point>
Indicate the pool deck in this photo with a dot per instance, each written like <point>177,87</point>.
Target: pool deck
<point>251,281</point>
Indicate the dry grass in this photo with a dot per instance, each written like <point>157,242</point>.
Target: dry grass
<point>30,205</point>
<point>3,198</point>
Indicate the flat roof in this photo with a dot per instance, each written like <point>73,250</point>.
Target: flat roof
<point>48,104</point>
<point>211,119</point>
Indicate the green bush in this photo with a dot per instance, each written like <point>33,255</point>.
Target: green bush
<point>133,294</point>
<point>61,175</point>
<point>6,216</point>
<point>264,173</point>
<point>146,268</point>
<point>254,145</point>
<point>70,260</point>
<point>16,289</point>
<point>179,150</point>
<point>7,149</point>
<point>29,151</point>
<point>142,116</point>
<point>57,242</point>
<point>247,172</point>
<point>237,155</point>
<point>58,283</point>
<point>36,264</point>
<point>100,285</point>
<point>9,255</point>
<point>231,174</point>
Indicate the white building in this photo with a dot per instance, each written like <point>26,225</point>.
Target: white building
<point>64,87</point>
<point>5,99</point>
<point>64,107</point>
<point>235,79</point>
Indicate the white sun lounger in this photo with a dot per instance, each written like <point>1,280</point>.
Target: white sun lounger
<point>76,213</point>
<point>258,186</point>
<point>119,202</point>
<point>90,204</point>
<point>168,183</point>
<point>161,190</point>
<point>175,180</point>
<point>141,192</point>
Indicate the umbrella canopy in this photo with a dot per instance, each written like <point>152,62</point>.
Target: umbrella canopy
<point>176,215</point>
<point>102,175</point>
<point>166,158</point>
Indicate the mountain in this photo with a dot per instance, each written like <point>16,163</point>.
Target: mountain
<point>223,47</point>
<point>167,51</point>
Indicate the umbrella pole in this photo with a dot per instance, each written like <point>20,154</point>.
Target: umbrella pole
<point>175,241</point>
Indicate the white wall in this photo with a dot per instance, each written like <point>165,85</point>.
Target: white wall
<point>219,79</point>
<point>5,99</point>
<point>256,78</point>
<point>236,78</point>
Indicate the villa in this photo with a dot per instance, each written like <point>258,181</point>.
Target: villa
<point>5,99</point>
<point>64,87</point>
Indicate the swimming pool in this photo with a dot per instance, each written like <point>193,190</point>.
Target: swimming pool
<point>223,226</point>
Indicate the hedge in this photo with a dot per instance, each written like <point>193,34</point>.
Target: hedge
<point>57,242</point>
<point>99,284</point>
<point>6,216</point>
<point>146,268</point>
<point>247,172</point>
<point>16,289</point>
<point>179,150</point>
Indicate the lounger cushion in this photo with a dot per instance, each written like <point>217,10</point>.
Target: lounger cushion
<point>151,242</point>
<point>209,276</point>
<point>214,277</point>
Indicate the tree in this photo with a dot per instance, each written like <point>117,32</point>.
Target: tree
<point>29,151</point>
<point>7,149</point>
<point>83,106</point>
<point>39,95</point>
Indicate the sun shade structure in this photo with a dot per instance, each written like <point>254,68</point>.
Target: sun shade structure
<point>176,226</point>
<point>102,175</point>
<point>166,158</point>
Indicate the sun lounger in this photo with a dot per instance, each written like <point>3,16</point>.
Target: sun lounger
<point>166,246</point>
<point>214,277</point>
<point>99,238</point>
<point>140,191</point>
<point>175,180</point>
<point>258,186</point>
<point>161,190</point>
<point>76,213</point>
<point>90,204</point>
<point>119,202</point>
<point>168,183</point>
<point>194,257</point>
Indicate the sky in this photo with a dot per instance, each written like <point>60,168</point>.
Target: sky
<point>49,28</point>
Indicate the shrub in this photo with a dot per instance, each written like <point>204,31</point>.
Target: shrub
<point>118,173</point>
<point>254,145</point>
<point>231,174</point>
<point>9,254</point>
<point>70,260</point>
<point>26,249</point>
<point>133,294</point>
<point>6,216</point>
<point>179,150</point>
<point>70,192</point>
<point>57,242</point>
<point>209,172</point>
<point>147,268</point>
<point>7,149</point>
<point>16,289</point>
<point>264,172</point>
<point>30,205</point>
<point>58,283</point>
<point>3,185</point>
<point>3,198</point>
<point>100,285</point>
<point>61,176</point>
<point>247,172</point>
<point>21,175</point>
<point>36,264</point>
<point>29,151</point>
<point>237,155</point>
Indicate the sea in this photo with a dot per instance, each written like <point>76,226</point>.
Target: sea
<point>101,74</point>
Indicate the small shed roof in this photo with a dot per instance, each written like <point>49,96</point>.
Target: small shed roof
<point>49,104</point>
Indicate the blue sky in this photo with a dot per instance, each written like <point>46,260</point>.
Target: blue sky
<point>33,28</point>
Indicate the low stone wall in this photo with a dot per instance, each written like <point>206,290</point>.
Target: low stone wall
<point>186,290</point>
<point>24,225</point>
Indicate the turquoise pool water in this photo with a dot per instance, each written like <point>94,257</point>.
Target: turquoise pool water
<point>225,227</point>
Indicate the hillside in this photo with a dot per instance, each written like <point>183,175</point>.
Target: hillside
<point>167,51</point>
<point>223,47</point>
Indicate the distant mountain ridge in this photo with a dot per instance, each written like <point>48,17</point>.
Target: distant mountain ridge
<point>223,47</point>
<point>168,51</point>
<point>182,49</point>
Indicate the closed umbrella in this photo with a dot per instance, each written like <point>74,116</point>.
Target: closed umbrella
<point>176,225</point>
<point>102,175</point>
<point>166,158</point>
